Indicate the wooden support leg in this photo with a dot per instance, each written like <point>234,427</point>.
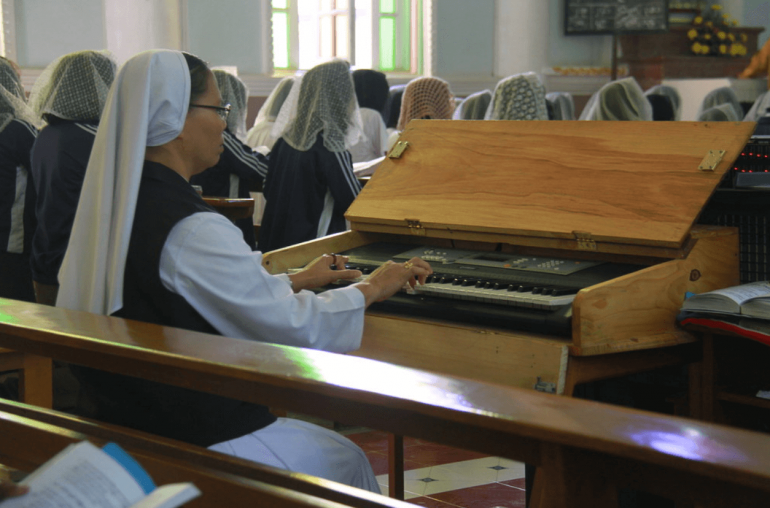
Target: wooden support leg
<point>564,487</point>
<point>36,381</point>
<point>396,466</point>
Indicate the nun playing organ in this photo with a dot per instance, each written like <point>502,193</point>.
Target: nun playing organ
<point>18,128</point>
<point>145,246</point>
<point>310,181</point>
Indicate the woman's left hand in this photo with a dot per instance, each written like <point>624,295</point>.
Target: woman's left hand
<point>321,271</point>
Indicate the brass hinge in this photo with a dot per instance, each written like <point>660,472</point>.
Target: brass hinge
<point>584,240</point>
<point>711,160</point>
<point>398,149</point>
<point>415,227</point>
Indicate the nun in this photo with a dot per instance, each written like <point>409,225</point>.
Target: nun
<point>720,113</point>
<point>18,129</point>
<point>261,133</point>
<point>145,246</point>
<point>239,168</point>
<point>759,109</point>
<point>69,95</point>
<point>618,100</point>
<point>372,93</point>
<point>474,107</point>
<point>310,181</point>
<point>518,97</point>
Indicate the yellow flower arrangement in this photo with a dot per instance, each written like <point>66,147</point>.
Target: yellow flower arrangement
<point>711,34</point>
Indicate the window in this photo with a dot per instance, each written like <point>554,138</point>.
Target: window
<point>376,34</point>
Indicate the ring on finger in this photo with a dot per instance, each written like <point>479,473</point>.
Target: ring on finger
<point>408,265</point>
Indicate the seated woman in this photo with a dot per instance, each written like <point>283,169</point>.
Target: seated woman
<point>618,100</point>
<point>310,181</point>
<point>18,129</point>
<point>759,109</point>
<point>662,108</point>
<point>393,107</point>
<point>372,92</point>
<point>423,98</point>
<point>673,96</point>
<point>474,107</point>
<point>722,95</point>
<point>239,168</point>
<point>145,246</point>
<point>518,97</point>
<point>562,105</point>
<point>720,113</point>
<point>261,134</point>
<point>69,95</point>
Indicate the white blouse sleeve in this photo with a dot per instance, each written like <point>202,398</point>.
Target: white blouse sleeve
<point>206,261</point>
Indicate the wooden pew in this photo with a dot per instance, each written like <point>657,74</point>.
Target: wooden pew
<point>585,450</point>
<point>31,437</point>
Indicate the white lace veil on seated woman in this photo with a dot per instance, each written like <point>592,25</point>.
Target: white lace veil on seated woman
<point>672,94</point>
<point>562,105</point>
<point>518,97</point>
<point>720,113</point>
<point>261,133</point>
<point>618,100</point>
<point>720,96</point>
<point>474,107</point>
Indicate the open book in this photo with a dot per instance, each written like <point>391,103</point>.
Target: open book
<point>84,476</point>
<point>751,300</point>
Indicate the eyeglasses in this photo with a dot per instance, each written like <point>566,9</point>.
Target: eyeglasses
<point>222,111</point>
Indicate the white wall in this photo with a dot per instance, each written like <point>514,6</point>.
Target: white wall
<point>141,25</point>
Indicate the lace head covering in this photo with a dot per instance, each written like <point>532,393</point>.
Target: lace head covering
<point>147,107</point>
<point>673,95</point>
<point>426,98</point>
<point>618,100</point>
<point>759,108</point>
<point>474,107</point>
<point>518,97</point>
<point>394,105</point>
<point>324,101</point>
<point>372,90</point>
<point>721,113</point>
<point>74,86</point>
<point>12,97</point>
<point>562,104</point>
<point>723,95</point>
<point>272,106</point>
<point>235,93</point>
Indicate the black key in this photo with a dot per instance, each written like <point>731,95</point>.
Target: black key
<point>481,284</point>
<point>564,291</point>
<point>468,282</point>
<point>457,282</point>
<point>524,288</point>
<point>366,270</point>
<point>501,286</point>
<point>537,290</point>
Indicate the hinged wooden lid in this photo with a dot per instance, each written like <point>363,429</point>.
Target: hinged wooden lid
<point>588,183</point>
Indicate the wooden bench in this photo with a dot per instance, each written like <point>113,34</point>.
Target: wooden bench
<point>584,450</point>
<point>32,436</point>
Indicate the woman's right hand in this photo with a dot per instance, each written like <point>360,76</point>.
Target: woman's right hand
<point>8,488</point>
<point>390,277</point>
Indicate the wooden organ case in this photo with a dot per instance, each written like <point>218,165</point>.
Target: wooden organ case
<point>624,193</point>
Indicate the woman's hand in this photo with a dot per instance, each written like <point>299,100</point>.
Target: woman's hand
<point>320,272</point>
<point>390,277</point>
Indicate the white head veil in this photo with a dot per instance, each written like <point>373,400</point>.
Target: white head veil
<point>474,107</point>
<point>324,100</point>
<point>272,106</point>
<point>518,97</point>
<point>235,93</point>
<point>758,109</point>
<point>618,100</point>
<point>563,105</point>
<point>722,95</point>
<point>721,113</point>
<point>147,106</point>
<point>74,86</point>
<point>670,92</point>
<point>12,97</point>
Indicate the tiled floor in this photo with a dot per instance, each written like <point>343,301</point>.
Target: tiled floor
<point>441,477</point>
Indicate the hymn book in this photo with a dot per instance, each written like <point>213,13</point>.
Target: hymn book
<point>749,300</point>
<point>84,476</point>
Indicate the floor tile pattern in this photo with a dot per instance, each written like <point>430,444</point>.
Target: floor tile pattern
<point>442,477</point>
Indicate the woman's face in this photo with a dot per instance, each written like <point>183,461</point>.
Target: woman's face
<point>203,129</point>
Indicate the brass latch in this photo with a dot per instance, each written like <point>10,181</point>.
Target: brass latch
<point>711,160</point>
<point>415,227</point>
<point>398,149</point>
<point>584,240</point>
